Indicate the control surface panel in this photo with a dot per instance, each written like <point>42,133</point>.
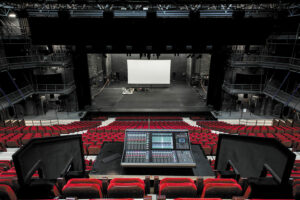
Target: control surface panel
<point>157,148</point>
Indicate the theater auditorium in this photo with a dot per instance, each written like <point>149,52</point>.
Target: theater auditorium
<point>150,99</point>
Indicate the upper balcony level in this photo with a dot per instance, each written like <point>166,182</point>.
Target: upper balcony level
<point>21,62</point>
<point>283,97</point>
<point>243,88</point>
<point>275,62</point>
<point>24,92</point>
<point>283,39</point>
<point>55,88</point>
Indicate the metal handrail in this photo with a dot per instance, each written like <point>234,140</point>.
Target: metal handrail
<point>53,87</point>
<point>281,96</point>
<point>28,90</point>
<point>34,59</point>
<point>16,96</point>
<point>265,58</point>
<point>249,87</point>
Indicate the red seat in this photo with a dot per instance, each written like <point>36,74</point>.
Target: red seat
<point>127,180</point>
<point>6,193</point>
<point>173,190</point>
<point>126,188</point>
<point>221,190</point>
<point>82,190</point>
<point>85,180</point>
<point>176,180</point>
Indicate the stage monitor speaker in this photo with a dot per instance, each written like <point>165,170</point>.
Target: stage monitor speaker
<point>52,157</point>
<point>252,156</point>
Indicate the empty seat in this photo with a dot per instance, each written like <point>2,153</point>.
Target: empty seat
<point>176,180</point>
<point>221,190</point>
<point>82,190</point>
<point>177,187</point>
<point>219,180</point>
<point>127,180</point>
<point>296,189</point>
<point>173,190</point>
<point>197,199</point>
<point>85,180</point>
<point>126,188</point>
<point>6,193</point>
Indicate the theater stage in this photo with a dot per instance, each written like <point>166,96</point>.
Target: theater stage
<point>113,168</point>
<point>179,97</point>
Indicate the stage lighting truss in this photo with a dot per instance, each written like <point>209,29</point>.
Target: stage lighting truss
<point>163,9</point>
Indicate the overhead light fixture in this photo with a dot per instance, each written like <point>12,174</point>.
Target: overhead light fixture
<point>12,15</point>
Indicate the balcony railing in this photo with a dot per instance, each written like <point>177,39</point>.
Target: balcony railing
<point>243,88</point>
<point>244,60</point>
<point>55,88</point>
<point>15,96</point>
<point>283,97</point>
<point>34,61</point>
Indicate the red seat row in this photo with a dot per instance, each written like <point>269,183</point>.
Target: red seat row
<point>137,188</point>
<point>149,117</point>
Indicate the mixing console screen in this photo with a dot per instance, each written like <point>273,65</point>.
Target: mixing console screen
<point>157,148</point>
<point>162,141</point>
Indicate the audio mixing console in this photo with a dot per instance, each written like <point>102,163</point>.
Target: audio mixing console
<point>157,148</point>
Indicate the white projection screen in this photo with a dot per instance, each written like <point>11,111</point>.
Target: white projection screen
<point>149,71</point>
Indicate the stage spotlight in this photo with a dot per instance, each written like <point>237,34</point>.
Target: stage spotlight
<point>12,14</point>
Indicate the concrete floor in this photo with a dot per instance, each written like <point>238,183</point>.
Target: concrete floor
<point>179,97</point>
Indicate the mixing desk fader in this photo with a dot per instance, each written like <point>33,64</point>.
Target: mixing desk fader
<point>157,148</point>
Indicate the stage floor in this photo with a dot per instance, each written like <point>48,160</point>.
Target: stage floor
<point>179,97</point>
<point>113,168</point>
